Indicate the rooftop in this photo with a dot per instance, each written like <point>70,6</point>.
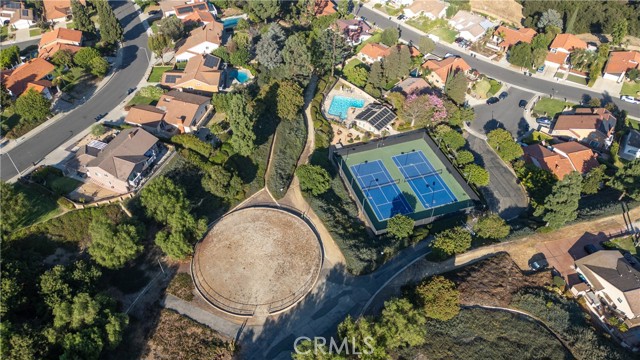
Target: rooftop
<point>568,42</point>
<point>18,79</point>
<point>376,115</point>
<point>622,61</point>
<point>444,67</point>
<point>211,32</point>
<point>511,36</point>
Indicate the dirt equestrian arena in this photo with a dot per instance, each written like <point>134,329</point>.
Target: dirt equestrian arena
<point>257,260</point>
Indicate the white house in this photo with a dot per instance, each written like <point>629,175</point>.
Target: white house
<point>15,14</point>
<point>202,40</point>
<point>433,9</point>
<point>619,63</point>
<point>375,118</point>
<point>630,149</point>
<point>470,26</point>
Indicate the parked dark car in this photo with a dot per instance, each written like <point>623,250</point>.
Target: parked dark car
<point>503,95</point>
<point>492,100</point>
<point>402,17</point>
<point>101,116</point>
<point>544,121</point>
<point>539,264</point>
<point>131,90</point>
<point>154,12</point>
<point>522,104</point>
<point>590,249</point>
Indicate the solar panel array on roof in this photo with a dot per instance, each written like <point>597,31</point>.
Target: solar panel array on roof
<point>97,144</point>
<point>185,10</point>
<point>171,79</point>
<point>211,62</point>
<point>377,115</point>
<point>12,5</point>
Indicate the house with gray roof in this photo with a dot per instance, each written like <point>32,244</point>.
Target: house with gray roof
<point>630,149</point>
<point>615,280</point>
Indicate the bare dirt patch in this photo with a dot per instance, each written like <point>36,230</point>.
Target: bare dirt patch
<point>493,281</point>
<point>506,10</point>
<point>258,256</point>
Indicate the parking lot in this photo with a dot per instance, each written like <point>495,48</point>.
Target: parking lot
<point>562,254</point>
<point>505,113</point>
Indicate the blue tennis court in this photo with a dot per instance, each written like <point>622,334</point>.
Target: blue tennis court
<point>380,189</point>
<point>424,180</point>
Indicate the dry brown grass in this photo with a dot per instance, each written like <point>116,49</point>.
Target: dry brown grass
<point>178,337</point>
<point>506,10</point>
<point>492,282</point>
<point>181,286</point>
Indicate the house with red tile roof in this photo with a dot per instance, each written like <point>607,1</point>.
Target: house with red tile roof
<point>323,8</point>
<point>441,69</point>
<point>373,52</point>
<point>201,40</point>
<point>561,159</point>
<point>58,11</point>
<point>590,126</point>
<point>619,63</point>
<point>505,37</point>
<point>59,39</point>
<point>561,47</point>
<point>33,74</point>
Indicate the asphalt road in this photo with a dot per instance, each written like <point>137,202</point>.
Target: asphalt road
<point>495,71</point>
<point>135,61</point>
<point>504,114</point>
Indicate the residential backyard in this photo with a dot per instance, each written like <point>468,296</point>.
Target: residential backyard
<point>630,88</point>
<point>445,34</point>
<point>157,71</point>
<point>373,39</point>
<point>550,107</point>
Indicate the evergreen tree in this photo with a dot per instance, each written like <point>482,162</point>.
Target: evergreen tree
<point>241,125</point>
<point>439,297</point>
<point>263,10</point>
<point>627,179</point>
<point>33,106</point>
<point>113,246</point>
<point>329,49</point>
<point>110,28</point>
<point>314,179</point>
<point>452,241</point>
<point>389,36</point>
<point>456,87</point>
<point>290,100</point>
<point>561,205</point>
<point>401,325</point>
<point>268,49</point>
<point>400,226</point>
<point>81,18</point>
<point>620,30</point>
<point>13,207</point>
<point>297,56</point>
<point>159,44</point>
<point>492,227</point>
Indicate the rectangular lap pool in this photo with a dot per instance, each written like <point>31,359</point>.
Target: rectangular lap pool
<point>340,105</point>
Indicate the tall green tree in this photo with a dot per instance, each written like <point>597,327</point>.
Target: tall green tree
<point>426,45</point>
<point>13,207</point>
<point>81,18</point>
<point>456,87</point>
<point>502,142</point>
<point>222,183</point>
<point>313,179</point>
<point>110,28</point>
<point>492,227</point>
<point>297,56</point>
<point>243,138</point>
<point>33,106</point>
<point>99,66</point>
<point>63,58</point>
<point>400,226</point>
<point>389,36</point>
<point>263,10</point>
<point>290,100</point>
<point>9,56</point>
<point>451,241</point>
<point>439,297</point>
<point>620,30</point>
<point>561,205</point>
<point>550,17</point>
<point>329,49</point>
<point>171,26</point>
<point>450,137</point>
<point>476,175</point>
<point>268,48</point>
<point>363,338</point>
<point>357,75</point>
<point>401,325</point>
<point>113,246</point>
<point>161,197</point>
<point>593,180</point>
<point>627,180</point>
<point>84,56</point>
<point>520,55</point>
<point>159,44</point>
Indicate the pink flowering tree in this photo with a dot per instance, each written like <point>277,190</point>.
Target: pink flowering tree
<point>423,110</point>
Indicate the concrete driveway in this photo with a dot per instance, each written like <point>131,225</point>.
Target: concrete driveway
<point>505,114</point>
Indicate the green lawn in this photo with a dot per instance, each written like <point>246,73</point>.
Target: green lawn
<point>9,119</point>
<point>445,34</point>
<point>374,39</point>
<point>625,244</point>
<point>157,71</point>
<point>630,88</point>
<point>64,185</point>
<point>633,124</point>
<point>35,32</point>
<point>41,204</point>
<point>577,79</point>
<point>71,25</point>
<point>4,32</point>
<point>550,107</point>
<point>141,100</point>
<point>536,137</point>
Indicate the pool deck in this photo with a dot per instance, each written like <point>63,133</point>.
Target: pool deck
<point>344,88</point>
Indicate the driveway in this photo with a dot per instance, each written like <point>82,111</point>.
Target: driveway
<point>505,114</point>
<point>503,195</point>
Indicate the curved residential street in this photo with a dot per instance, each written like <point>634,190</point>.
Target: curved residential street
<point>135,60</point>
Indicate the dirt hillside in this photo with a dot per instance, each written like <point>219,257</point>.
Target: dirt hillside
<point>506,10</point>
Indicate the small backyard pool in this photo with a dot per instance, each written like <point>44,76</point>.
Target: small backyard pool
<point>340,105</point>
<point>231,22</point>
<point>240,75</point>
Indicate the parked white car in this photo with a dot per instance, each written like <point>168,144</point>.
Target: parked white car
<point>629,99</point>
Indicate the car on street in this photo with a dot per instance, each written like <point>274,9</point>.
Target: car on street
<point>522,104</point>
<point>101,116</point>
<point>540,69</point>
<point>590,249</point>
<point>503,95</point>
<point>131,90</point>
<point>402,17</point>
<point>492,100</point>
<point>544,121</point>
<point>629,99</point>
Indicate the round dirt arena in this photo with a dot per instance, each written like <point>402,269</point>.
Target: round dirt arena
<point>257,260</point>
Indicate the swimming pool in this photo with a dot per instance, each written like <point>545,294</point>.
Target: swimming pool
<point>242,76</point>
<point>340,105</point>
<point>230,22</point>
